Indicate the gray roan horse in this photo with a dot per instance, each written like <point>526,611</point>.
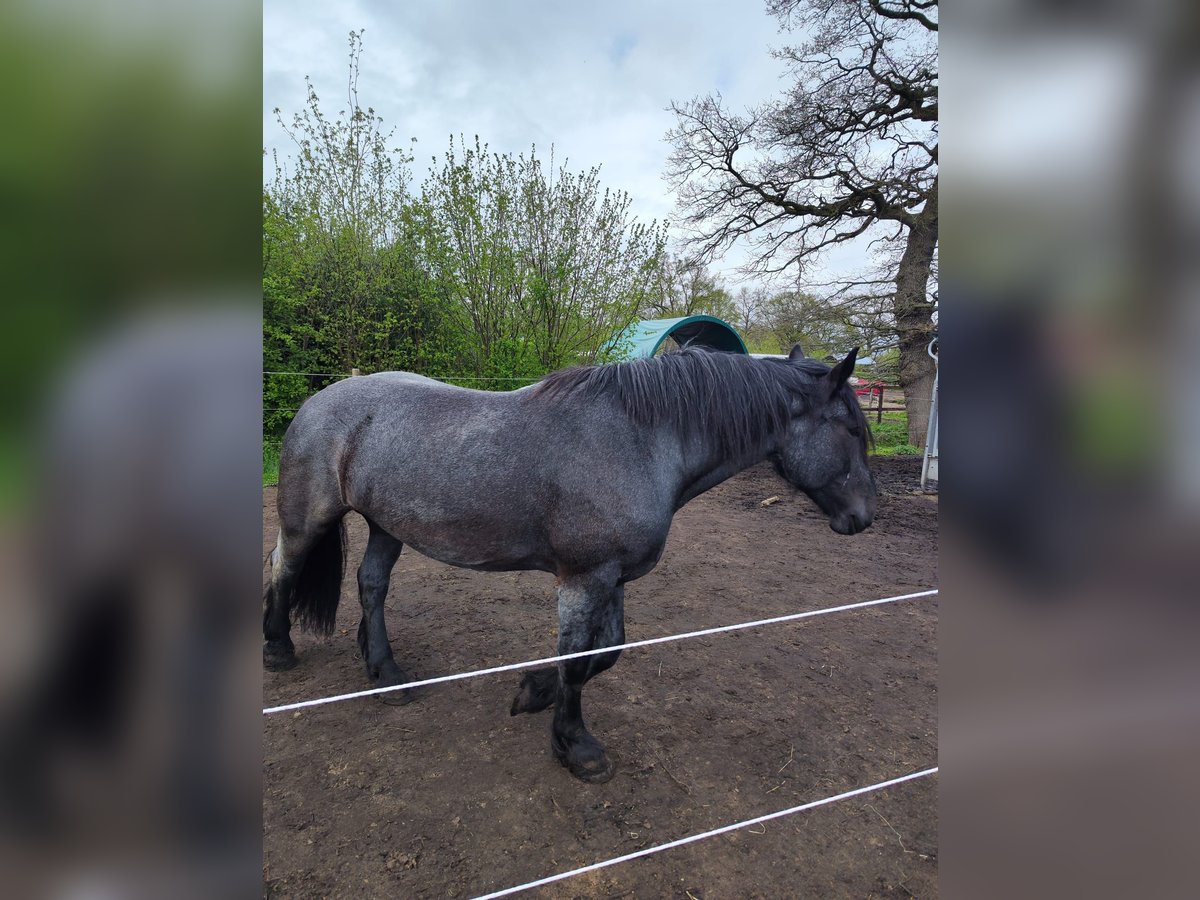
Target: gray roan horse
<point>578,475</point>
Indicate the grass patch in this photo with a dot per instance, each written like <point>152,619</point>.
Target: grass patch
<point>891,435</point>
<point>16,474</point>
<point>898,450</point>
<point>270,463</point>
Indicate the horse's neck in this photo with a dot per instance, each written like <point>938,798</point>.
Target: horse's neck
<point>703,466</point>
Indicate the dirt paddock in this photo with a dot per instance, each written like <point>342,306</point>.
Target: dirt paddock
<point>449,796</point>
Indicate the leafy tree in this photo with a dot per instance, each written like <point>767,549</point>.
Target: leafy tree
<point>348,265</point>
<point>343,284</point>
<point>849,150</point>
<point>502,266</point>
<point>541,264</point>
<point>796,317</point>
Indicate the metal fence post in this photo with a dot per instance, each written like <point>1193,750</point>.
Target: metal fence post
<point>929,467</point>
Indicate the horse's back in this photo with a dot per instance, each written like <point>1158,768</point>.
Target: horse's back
<point>496,480</point>
<point>403,449</point>
<point>392,413</point>
<point>328,431</point>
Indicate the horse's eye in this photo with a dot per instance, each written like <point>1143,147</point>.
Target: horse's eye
<point>855,431</point>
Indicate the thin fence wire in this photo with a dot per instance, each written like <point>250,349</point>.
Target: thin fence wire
<point>313,374</point>
<point>510,667</point>
<point>341,375</point>
<point>690,839</point>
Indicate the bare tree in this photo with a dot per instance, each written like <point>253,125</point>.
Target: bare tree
<point>686,288</point>
<point>750,303</point>
<point>849,151</point>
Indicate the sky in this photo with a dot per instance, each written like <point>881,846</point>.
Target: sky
<point>592,79</point>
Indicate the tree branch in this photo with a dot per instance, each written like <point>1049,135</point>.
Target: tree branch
<point>908,12</point>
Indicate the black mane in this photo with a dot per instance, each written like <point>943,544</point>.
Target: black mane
<point>738,400</point>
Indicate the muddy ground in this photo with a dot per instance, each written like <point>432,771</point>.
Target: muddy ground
<point>449,796</point>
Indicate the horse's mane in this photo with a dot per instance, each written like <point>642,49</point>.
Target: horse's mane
<point>738,400</point>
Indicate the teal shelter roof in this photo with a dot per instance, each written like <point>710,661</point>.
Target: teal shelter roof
<point>645,337</point>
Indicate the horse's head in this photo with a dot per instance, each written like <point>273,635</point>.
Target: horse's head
<point>824,452</point>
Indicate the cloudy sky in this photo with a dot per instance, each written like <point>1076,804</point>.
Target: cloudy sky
<point>594,80</point>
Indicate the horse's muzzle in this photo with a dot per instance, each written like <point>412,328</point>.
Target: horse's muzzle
<point>850,523</point>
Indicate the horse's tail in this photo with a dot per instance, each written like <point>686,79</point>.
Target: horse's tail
<point>319,585</point>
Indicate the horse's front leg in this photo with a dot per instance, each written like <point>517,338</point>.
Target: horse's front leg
<point>374,575</point>
<point>591,615</point>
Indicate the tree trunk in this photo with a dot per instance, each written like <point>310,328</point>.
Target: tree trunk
<point>914,319</point>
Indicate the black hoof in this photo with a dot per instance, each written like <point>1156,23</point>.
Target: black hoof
<point>536,692</point>
<point>596,771</point>
<point>388,677</point>
<point>396,698</point>
<point>277,658</point>
<point>585,759</point>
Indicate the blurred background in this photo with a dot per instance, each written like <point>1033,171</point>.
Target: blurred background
<point>131,177</point>
<point>1069,701</point>
<point>130,172</point>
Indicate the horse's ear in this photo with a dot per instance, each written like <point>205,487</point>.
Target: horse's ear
<point>797,353</point>
<point>841,373</point>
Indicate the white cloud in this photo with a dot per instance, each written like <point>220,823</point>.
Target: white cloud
<point>594,80</point>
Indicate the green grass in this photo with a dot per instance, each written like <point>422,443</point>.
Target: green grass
<point>891,435</point>
<point>270,463</point>
<point>16,474</point>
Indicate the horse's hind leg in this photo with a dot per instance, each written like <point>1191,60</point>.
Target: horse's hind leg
<point>279,653</point>
<point>374,575</point>
<point>306,578</point>
<point>591,614</point>
<point>309,557</point>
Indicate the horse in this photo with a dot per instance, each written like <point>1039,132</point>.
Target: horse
<point>578,475</point>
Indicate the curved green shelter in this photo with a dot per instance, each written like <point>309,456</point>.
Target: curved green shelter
<point>645,337</point>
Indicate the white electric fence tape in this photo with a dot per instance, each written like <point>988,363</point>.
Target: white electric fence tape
<point>371,692</point>
<point>706,834</point>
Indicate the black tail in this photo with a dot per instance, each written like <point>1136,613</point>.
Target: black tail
<point>319,585</point>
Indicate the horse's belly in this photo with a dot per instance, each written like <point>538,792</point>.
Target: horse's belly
<point>470,546</point>
<point>465,558</point>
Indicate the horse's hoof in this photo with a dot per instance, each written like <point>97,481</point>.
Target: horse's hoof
<point>397,698</point>
<point>394,698</point>
<point>536,692</point>
<point>278,659</point>
<point>593,771</point>
<point>586,760</point>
